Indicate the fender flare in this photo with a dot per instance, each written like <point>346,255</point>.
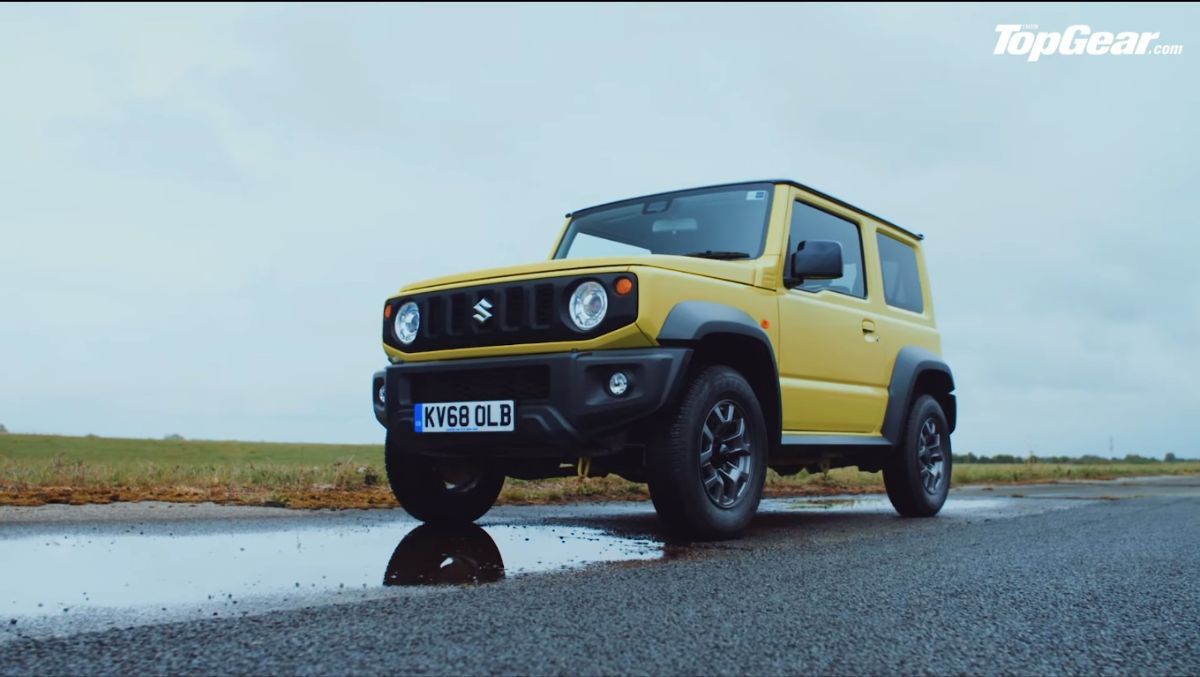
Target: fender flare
<point>693,320</point>
<point>690,322</point>
<point>911,363</point>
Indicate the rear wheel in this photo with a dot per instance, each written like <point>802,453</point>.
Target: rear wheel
<point>917,475</point>
<point>707,468</point>
<point>443,491</point>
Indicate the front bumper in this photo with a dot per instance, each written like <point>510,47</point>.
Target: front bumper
<point>572,416</point>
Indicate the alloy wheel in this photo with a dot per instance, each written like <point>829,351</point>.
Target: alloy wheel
<point>725,459</point>
<point>931,456</point>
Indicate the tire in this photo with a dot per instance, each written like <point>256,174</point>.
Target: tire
<point>917,475</point>
<point>453,554</point>
<point>442,491</point>
<point>704,488</point>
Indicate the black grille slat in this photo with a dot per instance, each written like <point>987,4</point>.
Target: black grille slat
<point>458,314</point>
<point>514,308</point>
<point>434,324</point>
<point>543,305</point>
<point>511,383</point>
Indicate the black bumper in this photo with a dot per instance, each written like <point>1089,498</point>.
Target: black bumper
<point>564,412</point>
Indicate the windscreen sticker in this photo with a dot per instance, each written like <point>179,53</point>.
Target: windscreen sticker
<point>756,195</point>
<point>656,206</point>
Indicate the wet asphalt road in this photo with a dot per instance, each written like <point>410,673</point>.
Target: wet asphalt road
<point>1098,578</point>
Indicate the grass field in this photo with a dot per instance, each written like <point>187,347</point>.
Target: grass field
<point>39,469</point>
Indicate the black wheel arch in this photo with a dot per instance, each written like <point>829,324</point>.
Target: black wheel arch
<point>721,334</point>
<point>917,372</point>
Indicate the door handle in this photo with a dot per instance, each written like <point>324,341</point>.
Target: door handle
<point>868,330</point>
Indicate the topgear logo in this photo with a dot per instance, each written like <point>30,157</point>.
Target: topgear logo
<point>1026,40</point>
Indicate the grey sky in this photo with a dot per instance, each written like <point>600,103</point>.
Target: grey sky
<point>202,208</point>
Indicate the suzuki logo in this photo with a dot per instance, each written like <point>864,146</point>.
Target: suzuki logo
<point>483,311</point>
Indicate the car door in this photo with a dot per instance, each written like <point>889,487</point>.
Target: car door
<point>831,365</point>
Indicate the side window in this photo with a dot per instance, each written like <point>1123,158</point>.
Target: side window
<point>810,223</point>
<point>901,280</point>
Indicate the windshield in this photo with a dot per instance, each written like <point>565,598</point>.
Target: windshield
<point>729,222</point>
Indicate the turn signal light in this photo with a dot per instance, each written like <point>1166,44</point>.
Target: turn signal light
<point>387,312</point>
<point>623,286</point>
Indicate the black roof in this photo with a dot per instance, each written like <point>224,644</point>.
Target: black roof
<point>789,182</point>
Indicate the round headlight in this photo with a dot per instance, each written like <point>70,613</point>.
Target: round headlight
<point>408,321</point>
<point>588,305</point>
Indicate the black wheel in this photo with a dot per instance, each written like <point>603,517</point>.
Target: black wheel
<point>448,554</point>
<point>709,462</point>
<point>917,475</point>
<point>442,491</point>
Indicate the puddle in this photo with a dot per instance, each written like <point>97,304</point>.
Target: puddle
<point>823,503</point>
<point>65,575</point>
<point>871,503</point>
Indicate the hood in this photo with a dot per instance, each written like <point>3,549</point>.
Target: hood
<point>741,271</point>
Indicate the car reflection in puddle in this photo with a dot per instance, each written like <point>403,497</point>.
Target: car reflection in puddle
<point>445,555</point>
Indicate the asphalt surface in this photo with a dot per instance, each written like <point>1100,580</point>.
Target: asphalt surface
<point>1088,578</point>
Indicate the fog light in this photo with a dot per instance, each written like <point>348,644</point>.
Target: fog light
<point>618,383</point>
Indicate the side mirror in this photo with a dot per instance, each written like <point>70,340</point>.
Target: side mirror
<point>816,260</point>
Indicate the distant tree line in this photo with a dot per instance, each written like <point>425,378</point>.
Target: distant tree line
<point>1089,459</point>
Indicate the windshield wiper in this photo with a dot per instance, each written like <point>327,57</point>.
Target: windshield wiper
<point>724,256</point>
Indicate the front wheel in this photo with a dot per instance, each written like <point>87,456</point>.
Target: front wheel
<point>707,468</point>
<point>443,491</point>
<point>917,475</point>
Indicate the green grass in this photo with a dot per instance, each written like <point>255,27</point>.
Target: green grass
<point>44,468</point>
<point>1007,473</point>
<point>37,469</point>
<point>130,452</point>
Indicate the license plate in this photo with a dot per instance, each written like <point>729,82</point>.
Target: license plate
<point>493,416</point>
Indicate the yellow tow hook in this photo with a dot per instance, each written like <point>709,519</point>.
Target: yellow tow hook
<point>583,468</point>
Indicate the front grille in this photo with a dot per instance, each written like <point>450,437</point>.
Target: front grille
<point>506,383</point>
<point>531,311</point>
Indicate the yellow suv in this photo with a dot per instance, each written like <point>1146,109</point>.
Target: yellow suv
<point>689,340</point>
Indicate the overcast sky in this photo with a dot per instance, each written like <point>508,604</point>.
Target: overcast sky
<point>202,208</point>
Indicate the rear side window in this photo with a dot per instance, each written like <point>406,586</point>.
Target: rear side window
<point>810,223</point>
<point>901,281</point>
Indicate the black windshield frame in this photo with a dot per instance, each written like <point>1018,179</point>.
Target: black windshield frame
<point>564,246</point>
